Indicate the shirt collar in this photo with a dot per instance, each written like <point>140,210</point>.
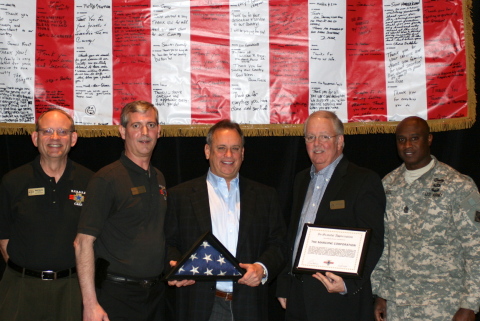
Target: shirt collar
<point>216,181</point>
<point>127,162</point>
<point>66,172</point>
<point>327,171</point>
<point>412,175</point>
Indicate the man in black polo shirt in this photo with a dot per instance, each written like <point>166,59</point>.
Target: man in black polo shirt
<point>40,204</point>
<point>120,244</point>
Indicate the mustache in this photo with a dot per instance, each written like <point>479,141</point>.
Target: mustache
<point>145,138</point>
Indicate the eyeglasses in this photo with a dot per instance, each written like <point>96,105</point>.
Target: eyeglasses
<point>322,138</point>
<point>59,131</point>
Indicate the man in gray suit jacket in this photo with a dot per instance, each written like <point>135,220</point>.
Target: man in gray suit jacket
<point>332,192</point>
<point>244,215</point>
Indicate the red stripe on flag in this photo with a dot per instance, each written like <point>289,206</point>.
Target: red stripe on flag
<point>131,53</point>
<point>289,61</point>
<point>54,55</point>
<point>365,61</point>
<point>210,60</point>
<point>445,59</point>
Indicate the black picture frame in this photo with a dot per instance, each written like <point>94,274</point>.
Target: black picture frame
<point>329,232</point>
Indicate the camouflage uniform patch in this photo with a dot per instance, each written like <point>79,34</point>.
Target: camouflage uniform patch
<point>433,312</point>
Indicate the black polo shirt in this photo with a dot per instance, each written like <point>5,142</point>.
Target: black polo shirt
<point>126,213</point>
<point>40,216</point>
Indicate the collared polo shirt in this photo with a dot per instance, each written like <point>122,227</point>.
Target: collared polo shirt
<point>126,214</point>
<point>40,216</point>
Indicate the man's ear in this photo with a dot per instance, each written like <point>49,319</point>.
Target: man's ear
<point>121,129</point>
<point>207,151</point>
<point>74,139</point>
<point>35,138</point>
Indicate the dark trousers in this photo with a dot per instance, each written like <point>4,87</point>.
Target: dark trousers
<point>131,302</point>
<point>222,310</point>
<point>25,298</point>
<point>295,304</point>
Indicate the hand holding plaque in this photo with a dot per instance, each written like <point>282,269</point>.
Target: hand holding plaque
<point>332,249</point>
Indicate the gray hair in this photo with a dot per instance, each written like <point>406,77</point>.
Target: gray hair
<point>139,106</point>
<point>337,123</point>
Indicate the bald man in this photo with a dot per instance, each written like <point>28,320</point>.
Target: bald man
<point>40,204</point>
<point>430,266</point>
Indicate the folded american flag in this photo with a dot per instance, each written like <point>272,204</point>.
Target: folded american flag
<point>207,259</point>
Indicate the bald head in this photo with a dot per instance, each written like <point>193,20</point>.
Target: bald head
<point>418,122</point>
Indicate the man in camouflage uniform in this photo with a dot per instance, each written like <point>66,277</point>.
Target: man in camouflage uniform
<point>430,266</point>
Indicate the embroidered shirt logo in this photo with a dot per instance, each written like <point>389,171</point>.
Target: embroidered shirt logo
<point>163,191</point>
<point>78,197</point>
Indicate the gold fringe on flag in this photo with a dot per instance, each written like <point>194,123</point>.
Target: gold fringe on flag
<point>297,129</point>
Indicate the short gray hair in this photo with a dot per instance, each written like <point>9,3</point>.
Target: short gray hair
<point>139,106</point>
<point>337,123</point>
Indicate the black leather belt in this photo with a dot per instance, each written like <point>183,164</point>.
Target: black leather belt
<point>145,283</point>
<point>44,275</point>
<point>228,296</point>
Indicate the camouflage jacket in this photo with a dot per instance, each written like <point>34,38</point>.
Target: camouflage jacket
<point>432,240</point>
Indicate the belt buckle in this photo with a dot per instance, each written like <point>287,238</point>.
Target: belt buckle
<point>146,284</point>
<point>47,275</point>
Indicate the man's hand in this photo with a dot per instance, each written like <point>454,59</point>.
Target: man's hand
<point>95,313</point>
<point>3,249</point>
<point>380,309</point>
<point>179,283</point>
<point>283,302</point>
<point>253,276</point>
<point>332,282</point>
<point>464,315</point>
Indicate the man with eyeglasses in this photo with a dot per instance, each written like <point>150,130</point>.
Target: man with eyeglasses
<point>244,215</point>
<point>40,205</point>
<point>332,192</point>
<point>120,244</point>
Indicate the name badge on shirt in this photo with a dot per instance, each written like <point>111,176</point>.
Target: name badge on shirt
<point>36,191</point>
<point>138,190</point>
<point>336,205</point>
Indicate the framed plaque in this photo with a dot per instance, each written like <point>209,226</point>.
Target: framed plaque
<point>207,259</point>
<point>338,250</point>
